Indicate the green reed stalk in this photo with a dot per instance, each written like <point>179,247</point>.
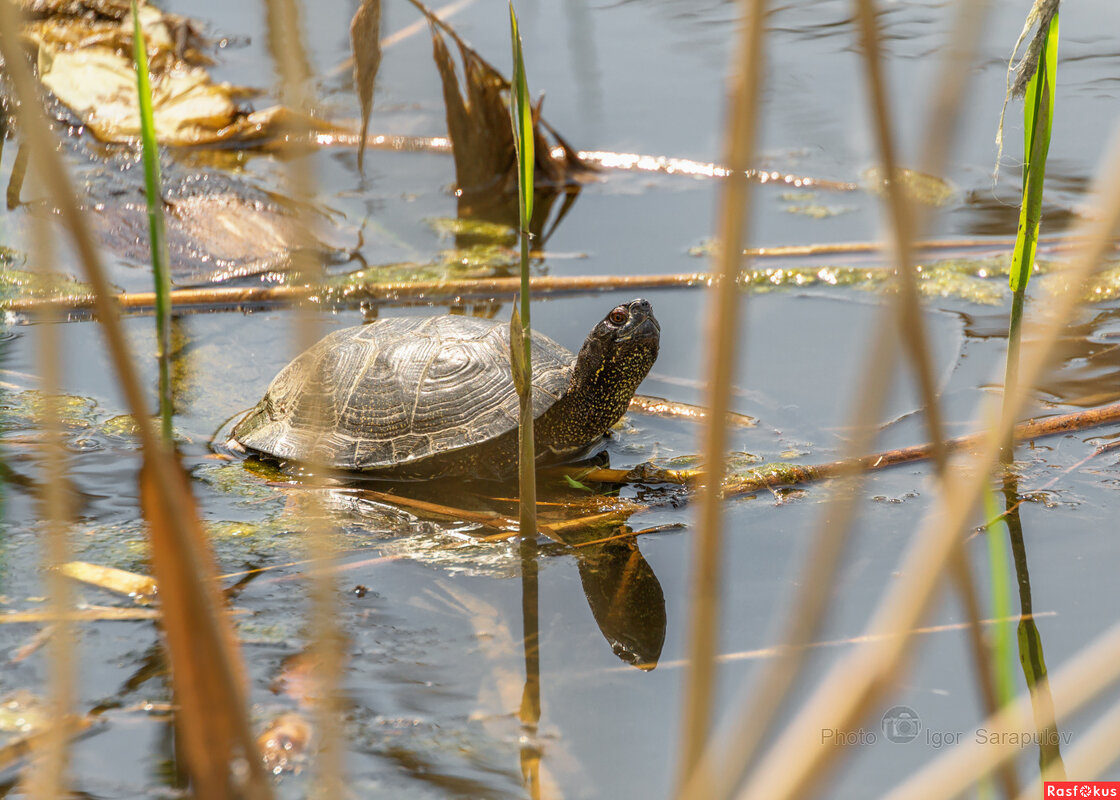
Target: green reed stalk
<point>521,116</point>
<point>156,225</point>
<point>1038,115</point>
<point>1004,658</point>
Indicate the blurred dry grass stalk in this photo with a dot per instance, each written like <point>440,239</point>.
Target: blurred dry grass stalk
<point>858,683</point>
<point>206,670</point>
<point>730,754</point>
<point>723,329</point>
<point>794,768</point>
<point>284,32</point>
<point>49,775</point>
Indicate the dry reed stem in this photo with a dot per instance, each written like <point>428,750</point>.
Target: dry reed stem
<point>294,73</point>
<point>215,639</point>
<point>431,291</point>
<point>753,719</point>
<point>745,89</point>
<point>400,291</point>
<point>1080,681</point>
<point>16,750</point>
<point>912,327</point>
<point>858,683</point>
<point>50,777</point>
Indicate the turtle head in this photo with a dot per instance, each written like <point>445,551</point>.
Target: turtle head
<point>619,352</point>
<point>612,362</point>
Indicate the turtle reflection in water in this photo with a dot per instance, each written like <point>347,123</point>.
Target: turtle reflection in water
<point>432,397</point>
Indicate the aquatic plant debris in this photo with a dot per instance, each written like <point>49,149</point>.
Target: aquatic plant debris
<point>365,41</point>
<point>82,60</point>
<point>926,189</point>
<point>406,283</point>
<point>15,282</point>
<point>482,138</point>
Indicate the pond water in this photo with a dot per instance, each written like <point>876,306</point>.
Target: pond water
<point>434,618</point>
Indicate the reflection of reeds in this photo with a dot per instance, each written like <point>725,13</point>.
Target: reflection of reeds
<point>293,67</point>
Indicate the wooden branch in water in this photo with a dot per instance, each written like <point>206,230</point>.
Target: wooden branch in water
<point>215,298</point>
<point>406,291</point>
<point>784,474</point>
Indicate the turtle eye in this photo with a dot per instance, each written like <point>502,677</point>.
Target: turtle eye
<point>619,315</point>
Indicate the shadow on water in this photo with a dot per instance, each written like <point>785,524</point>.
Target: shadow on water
<point>626,600</point>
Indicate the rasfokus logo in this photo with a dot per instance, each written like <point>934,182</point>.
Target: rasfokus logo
<point>1081,789</point>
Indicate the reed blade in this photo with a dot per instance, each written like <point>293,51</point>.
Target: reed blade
<point>1038,115</point>
<point>157,228</point>
<point>521,356</point>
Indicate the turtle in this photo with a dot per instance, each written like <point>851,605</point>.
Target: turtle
<point>427,397</point>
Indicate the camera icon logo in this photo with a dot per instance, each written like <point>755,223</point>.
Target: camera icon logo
<point>901,724</point>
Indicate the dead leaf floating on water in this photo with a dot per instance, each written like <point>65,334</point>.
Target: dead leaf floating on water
<point>83,61</point>
<point>140,588</point>
<point>284,743</point>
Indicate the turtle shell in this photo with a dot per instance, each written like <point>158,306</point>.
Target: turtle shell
<point>397,391</point>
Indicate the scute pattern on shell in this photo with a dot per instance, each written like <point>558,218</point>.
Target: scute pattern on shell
<point>400,390</point>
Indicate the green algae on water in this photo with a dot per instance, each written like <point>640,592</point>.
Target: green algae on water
<point>15,282</point>
<point>926,189</point>
<point>478,229</point>
<point>817,210</point>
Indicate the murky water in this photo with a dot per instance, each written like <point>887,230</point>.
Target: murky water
<point>434,618</point>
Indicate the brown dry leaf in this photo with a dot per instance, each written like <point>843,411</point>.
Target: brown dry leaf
<point>77,25</point>
<point>284,743</point>
<point>206,670</point>
<point>365,40</point>
<point>141,588</point>
<point>297,678</point>
<point>479,124</point>
<point>483,148</point>
<point>99,86</point>
<point>84,62</point>
<point>97,9</point>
